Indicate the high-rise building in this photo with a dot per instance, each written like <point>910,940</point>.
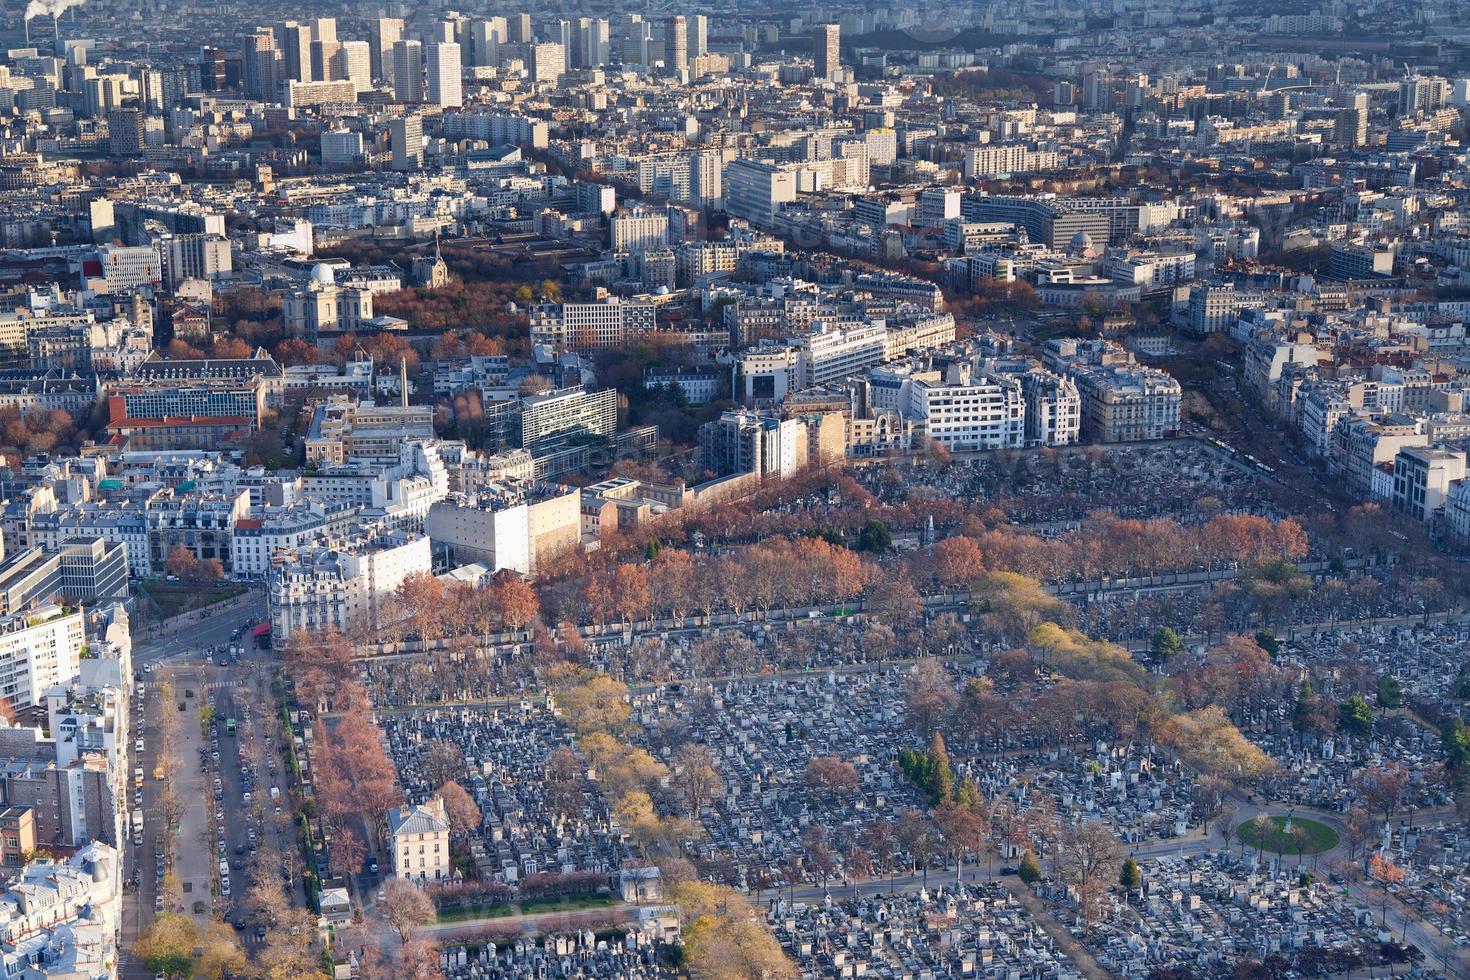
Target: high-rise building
<point>444,74</point>
<point>124,132</point>
<point>406,136</point>
<point>676,43</point>
<point>354,63</point>
<point>296,52</point>
<point>486,37</point>
<point>260,66</point>
<point>324,57</point>
<point>592,42</point>
<point>383,33</point>
<point>519,26</point>
<point>548,62</point>
<point>408,71</point>
<point>212,70</point>
<point>827,50</point>
<point>698,35</point>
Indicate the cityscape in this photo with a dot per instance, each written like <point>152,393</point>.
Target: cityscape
<point>639,492</point>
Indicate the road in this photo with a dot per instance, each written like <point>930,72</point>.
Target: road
<point>217,821</point>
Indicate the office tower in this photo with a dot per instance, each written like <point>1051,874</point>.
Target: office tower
<point>259,66</point>
<point>698,36</point>
<point>635,39</point>
<point>408,71</point>
<point>444,71</point>
<point>323,55</point>
<point>561,32</point>
<point>383,33</point>
<point>324,29</point>
<point>591,42</point>
<point>150,89</point>
<point>406,137</point>
<point>211,70</point>
<point>124,132</point>
<point>355,64</point>
<point>519,26</point>
<point>486,37</point>
<point>827,50</point>
<point>295,44</point>
<point>548,62</point>
<point>446,32</point>
<point>676,43</point>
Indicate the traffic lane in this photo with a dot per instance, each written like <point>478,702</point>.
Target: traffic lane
<point>216,628</point>
<point>238,820</point>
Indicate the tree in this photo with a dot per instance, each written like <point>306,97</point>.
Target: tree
<point>1086,851</point>
<point>1382,787</point>
<point>1355,717</point>
<point>875,537</point>
<point>406,906</point>
<point>1130,878</point>
<point>220,954</point>
<point>1028,870</point>
<point>961,830</point>
<point>1390,692</point>
<point>597,703</point>
<point>167,946</point>
<point>181,563</point>
<point>1309,716</point>
<point>726,937</point>
<point>1165,644</point>
<point>1455,741</point>
<point>563,781</point>
<point>346,853</point>
<point>442,761</point>
<point>829,773</point>
<point>697,775</point>
<point>464,815</point>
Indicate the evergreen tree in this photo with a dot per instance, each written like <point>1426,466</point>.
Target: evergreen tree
<point>1131,878</point>
<point>1165,644</point>
<point>1355,717</point>
<point>1390,692</point>
<point>1456,744</point>
<point>1029,871</point>
<point>941,776</point>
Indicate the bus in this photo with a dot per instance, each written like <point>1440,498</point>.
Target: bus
<point>229,726</point>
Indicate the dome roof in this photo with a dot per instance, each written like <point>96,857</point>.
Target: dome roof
<point>1082,242</point>
<point>321,272</point>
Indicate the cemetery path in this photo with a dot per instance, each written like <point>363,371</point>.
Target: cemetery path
<point>1066,942</point>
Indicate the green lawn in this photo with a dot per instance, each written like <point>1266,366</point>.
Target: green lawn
<point>504,909</point>
<point>176,597</point>
<point>1318,836</point>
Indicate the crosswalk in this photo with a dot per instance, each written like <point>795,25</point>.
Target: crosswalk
<point>230,682</point>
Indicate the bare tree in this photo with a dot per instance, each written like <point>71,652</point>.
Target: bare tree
<point>1087,853</point>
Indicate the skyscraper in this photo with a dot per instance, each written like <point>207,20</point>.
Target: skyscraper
<point>519,26</point>
<point>698,36</point>
<point>444,74</point>
<point>827,47</point>
<point>323,55</point>
<point>259,65</point>
<point>296,52</point>
<point>124,132</point>
<point>676,43</point>
<point>406,137</point>
<point>486,37</point>
<point>383,33</point>
<point>356,64</point>
<point>408,71</point>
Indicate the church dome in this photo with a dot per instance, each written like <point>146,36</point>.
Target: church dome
<point>321,272</point>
